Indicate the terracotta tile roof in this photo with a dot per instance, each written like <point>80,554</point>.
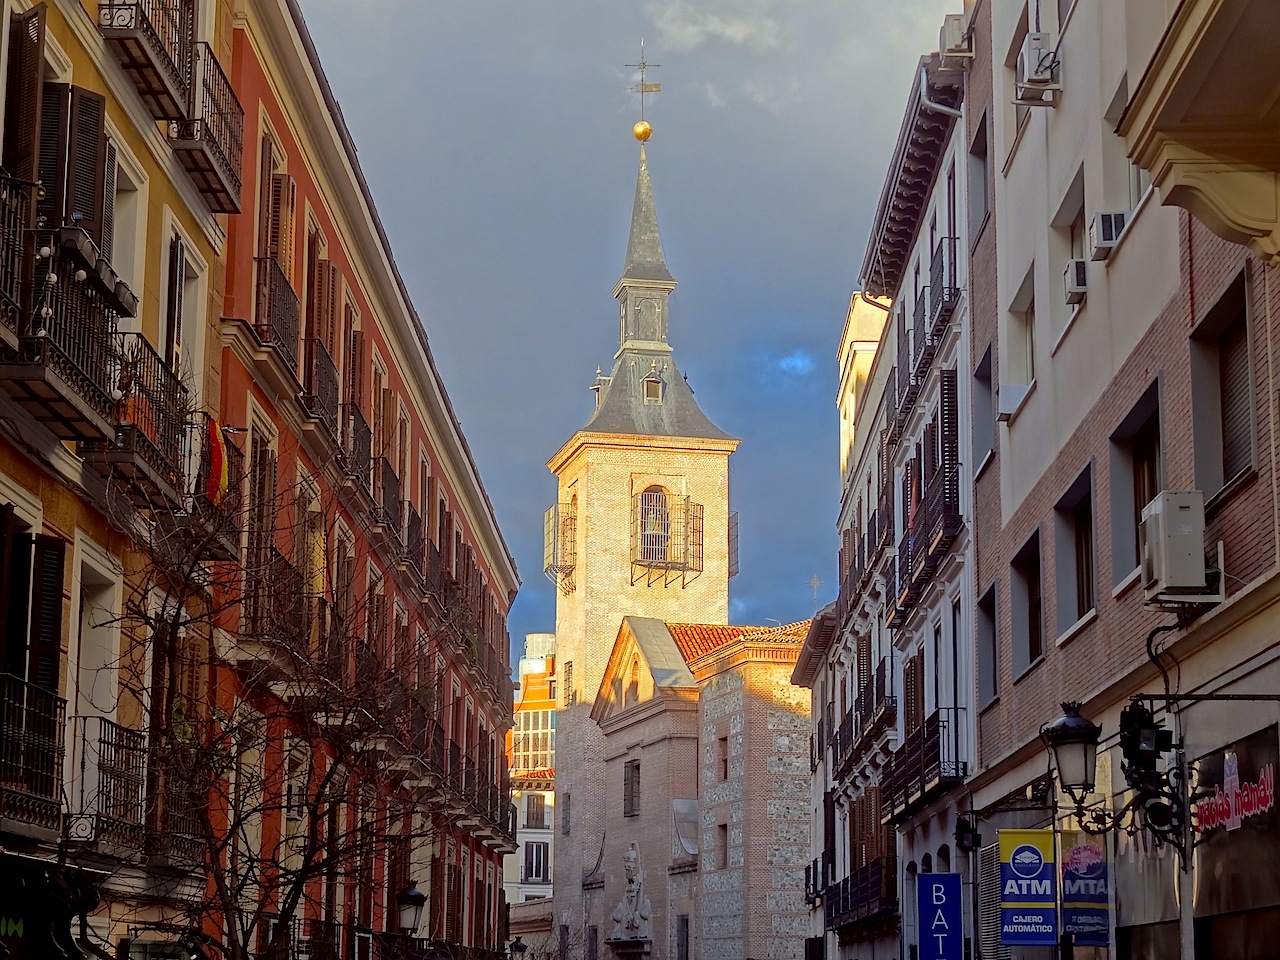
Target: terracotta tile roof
<point>696,640</point>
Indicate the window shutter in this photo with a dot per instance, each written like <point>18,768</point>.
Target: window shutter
<point>173,308</point>
<point>15,575</point>
<point>694,552</point>
<point>86,161</point>
<point>1237,410</point>
<point>52,152</point>
<point>25,86</point>
<point>280,228</point>
<point>109,171</point>
<point>989,904</point>
<point>328,284</point>
<point>46,612</point>
<point>949,424</point>
<point>266,170</point>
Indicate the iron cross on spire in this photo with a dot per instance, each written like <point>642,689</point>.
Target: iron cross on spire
<point>642,88</point>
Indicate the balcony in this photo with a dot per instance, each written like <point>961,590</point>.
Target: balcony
<point>925,766</point>
<point>210,143</point>
<point>908,387</point>
<point>64,369</point>
<point>1202,119</point>
<point>926,347</point>
<point>209,524</point>
<point>320,386</point>
<point>944,289</point>
<point>414,554</point>
<point>154,42</point>
<point>15,217</point>
<point>32,721</point>
<point>906,589</point>
<point>386,497</point>
<point>277,317</point>
<point>942,519</point>
<point>147,451</point>
<point>866,901</point>
<point>108,787</point>
<point>274,633</point>
<point>357,446</point>
<point>178,840</point>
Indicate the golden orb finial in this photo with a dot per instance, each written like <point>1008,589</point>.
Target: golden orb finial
<point>642,131</point>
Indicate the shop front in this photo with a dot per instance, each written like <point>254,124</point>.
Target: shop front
<point>39,902</point>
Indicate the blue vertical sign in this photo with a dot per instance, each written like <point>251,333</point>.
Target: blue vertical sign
<point>941,918</point>
<point>1084,889</point>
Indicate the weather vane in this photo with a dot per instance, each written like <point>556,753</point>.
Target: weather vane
<point>815,583</point>
<point>642,130</point>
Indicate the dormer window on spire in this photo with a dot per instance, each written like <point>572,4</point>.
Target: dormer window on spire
<point>653,385</point>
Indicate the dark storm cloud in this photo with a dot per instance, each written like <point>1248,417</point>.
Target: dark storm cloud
<point>496,139</point>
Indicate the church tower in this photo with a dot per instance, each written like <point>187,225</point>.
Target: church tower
<point>641,527</point>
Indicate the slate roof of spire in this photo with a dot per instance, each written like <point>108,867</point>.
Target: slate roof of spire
<point>644,247</point>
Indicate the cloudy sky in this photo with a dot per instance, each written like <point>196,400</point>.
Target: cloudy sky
<point>496,137</point>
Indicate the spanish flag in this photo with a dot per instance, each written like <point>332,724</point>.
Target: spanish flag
<point>216,485</point>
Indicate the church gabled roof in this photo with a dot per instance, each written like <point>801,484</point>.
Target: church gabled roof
<point>623,408</point>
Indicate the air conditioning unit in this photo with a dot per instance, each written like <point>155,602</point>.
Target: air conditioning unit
<point>1037,68</point>
<point>1104,233</point>
<point>953,41</point>
<point>1171,544</point>
<point>1075,280</point>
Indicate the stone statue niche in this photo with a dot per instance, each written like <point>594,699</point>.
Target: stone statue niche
<point>632,934</point>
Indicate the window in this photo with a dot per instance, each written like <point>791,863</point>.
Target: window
<point>655,524</point>
<point>535,811</point>
<point>722,746</point>
<point>631,788</point>
<point>31,608</point>
<point>124,196</point>
<point>1074,552</point>
<point>565,822</point>
<point>537,861</point>
<point>984,409</point>
<point>979,178</point>
<point>593,943</point>
<point>1136,478</point>
<point>722,846</point>
<point>1027,606</point>
<point>1022,346</point>
<point>633,683</point>
<point>1139,184</point>
<point>533,740</point>
<point>682,937</point>
<point>1221,389</point>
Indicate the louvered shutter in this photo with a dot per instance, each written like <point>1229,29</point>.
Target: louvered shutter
<point>52,152</point>
<point>280,229</point>
<point>107,243</point>
<point>23,96</point>
<point>15,575</point>
<point>266,170</point>
<point>929,461</point>
<point>949,440</point>
<point>864,658</point>
<point>549,540</point>
<point>86,161</point>
<point>329,284</point>
<point>46,612</point>
<point>693,557</point>
<point>989,904</point>
<point>919,719</point>
<point>173,304</point>
<point>1237,408</point>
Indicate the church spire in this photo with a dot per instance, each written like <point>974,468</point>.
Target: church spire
<point>645,262</point>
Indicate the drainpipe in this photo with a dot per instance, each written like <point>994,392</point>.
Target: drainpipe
<point>931,104</point>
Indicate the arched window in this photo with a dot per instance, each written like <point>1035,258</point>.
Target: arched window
<point>655,525</point>
<point>633,683</point>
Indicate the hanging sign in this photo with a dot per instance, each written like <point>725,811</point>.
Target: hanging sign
<point>1084,888</point>
<point>941,916</point>
<point>1028,888</point>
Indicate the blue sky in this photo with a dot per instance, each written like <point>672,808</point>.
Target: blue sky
<point>496,138</point>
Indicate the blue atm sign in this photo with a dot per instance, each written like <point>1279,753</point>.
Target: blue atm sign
<point>941,916</point>
<point>1028,888</point>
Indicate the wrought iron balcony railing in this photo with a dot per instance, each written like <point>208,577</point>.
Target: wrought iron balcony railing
<point>414,540</point>
<point>924,344</point>
<point>357,445</point>
<point>107,794</point>
<point>869,892</point>
<point>944,289</point>
<point>63,372</point>
<point>274,607</point>
<point>320,385</point>
<point>386,495</point>
<point>154,41</point>
<point>15,218</point>
<point>927,764</point>
<point>210,143</point>
<point>150,417</point>
<point>32,721</point>
<point>277,320</point>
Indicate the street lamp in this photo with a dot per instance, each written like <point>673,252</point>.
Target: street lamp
<point>410,902</point>
<point>518,947</point>
<point>1073,741</point>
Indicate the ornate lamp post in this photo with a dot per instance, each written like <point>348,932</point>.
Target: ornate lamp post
<point>518,947</point>
<point>410,902</point>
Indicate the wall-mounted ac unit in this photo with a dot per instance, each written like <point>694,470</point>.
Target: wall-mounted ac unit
<point>1171,544</point>
<point>1104,233</point>
<point>1075,281</point>
<point>1037,62</point>
<point>954,43</point>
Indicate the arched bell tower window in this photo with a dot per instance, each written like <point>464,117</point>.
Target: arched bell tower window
<point>655,525</point>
